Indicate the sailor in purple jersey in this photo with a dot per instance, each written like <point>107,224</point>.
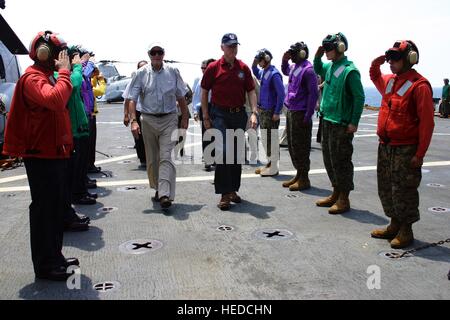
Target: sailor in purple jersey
<point>301,99</point>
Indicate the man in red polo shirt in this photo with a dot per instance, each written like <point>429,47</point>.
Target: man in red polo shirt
<point>229,79</point>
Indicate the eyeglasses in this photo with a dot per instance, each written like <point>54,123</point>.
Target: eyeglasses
<point>328,46</point>
<point>157,52</point>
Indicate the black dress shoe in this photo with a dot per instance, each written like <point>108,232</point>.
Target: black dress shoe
<point>165,202</point>
<point>55,274</point>
<point>89,180</point>
<point>208,167</point>
<point>72,262</point>
<point>77,226</point>
<point>83,219</point>
<point>84,201</point>
<point>156,197</point>
<point>92,195</point>
<point>91,185</point>
<point>142,166</point>
<point>95,169</point>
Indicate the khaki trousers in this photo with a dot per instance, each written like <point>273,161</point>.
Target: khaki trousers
<point>158,133</point>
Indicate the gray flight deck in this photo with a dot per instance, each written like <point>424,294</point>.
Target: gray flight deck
<point>275,245</point>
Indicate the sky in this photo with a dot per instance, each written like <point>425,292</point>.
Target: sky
<point>191,31</point>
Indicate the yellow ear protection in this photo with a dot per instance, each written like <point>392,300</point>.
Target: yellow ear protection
<point>45,45</point>
<point>264,54</point>
<point>341,47</point>
<point>43,52</point>
<point>336,41</point>
<point>302,54</point>
<point>408,49</point>
<point>300,49</point>
<point>413,54</point>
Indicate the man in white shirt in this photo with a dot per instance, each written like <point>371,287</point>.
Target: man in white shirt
<point>159,87</point>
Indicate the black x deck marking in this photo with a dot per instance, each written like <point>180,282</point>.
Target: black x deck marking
<point>273,234</point>
<point>146,245</point>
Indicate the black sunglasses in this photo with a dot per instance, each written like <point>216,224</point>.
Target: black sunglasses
<point>328,47</point>
<point>156,52</point>
<point>393,55</point>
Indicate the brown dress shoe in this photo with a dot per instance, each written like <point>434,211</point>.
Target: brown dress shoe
<point>235,198</point>
<point>225,202</point>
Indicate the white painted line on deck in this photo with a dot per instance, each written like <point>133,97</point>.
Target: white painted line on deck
<point>12,179</point>
<point>372,115</point>
<point>211,177</point>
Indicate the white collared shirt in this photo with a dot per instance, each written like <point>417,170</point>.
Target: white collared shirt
<point>158,90</point>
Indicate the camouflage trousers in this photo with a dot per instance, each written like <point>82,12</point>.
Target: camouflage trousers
<point>337,151</point>
<point>299,141</point>
<point>268,136</point>
<point>398,182</point>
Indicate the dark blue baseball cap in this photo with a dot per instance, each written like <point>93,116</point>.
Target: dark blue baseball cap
<point>230,39</point>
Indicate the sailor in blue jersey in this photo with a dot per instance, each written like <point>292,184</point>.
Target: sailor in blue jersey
<point>271,99</point>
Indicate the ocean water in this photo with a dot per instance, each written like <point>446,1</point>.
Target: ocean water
<point>373,97</point>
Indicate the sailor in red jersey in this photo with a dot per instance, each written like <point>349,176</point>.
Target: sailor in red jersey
<point>405,128</point>
<point>39,131</point>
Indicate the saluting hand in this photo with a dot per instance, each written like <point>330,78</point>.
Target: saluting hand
<point>320,52</point>
<point>76,59</point>
<point>380,60</point>
<point>286,56</point>
<point>63,61</point>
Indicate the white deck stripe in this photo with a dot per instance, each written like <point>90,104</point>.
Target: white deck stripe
<point>211,177</point>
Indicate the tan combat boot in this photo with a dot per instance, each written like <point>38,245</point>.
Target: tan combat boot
<point>389,233</point>
<point>404,237</point>
<point>300,184</point>
<point>287,184</point>
<point>329,201</point>
<point>342,205</point>
<point>258,170</point>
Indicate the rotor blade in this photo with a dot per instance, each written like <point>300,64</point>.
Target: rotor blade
<point>181,62</point>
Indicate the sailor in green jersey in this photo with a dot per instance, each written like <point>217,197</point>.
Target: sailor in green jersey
<point>341,107</point>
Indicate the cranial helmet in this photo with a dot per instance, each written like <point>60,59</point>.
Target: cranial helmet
<point>45,45</point>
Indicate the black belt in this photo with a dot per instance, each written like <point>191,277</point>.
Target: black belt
<point>158,115</point>
<point>231,110</point>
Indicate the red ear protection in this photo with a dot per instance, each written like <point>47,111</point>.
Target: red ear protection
<point>41,45</point>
